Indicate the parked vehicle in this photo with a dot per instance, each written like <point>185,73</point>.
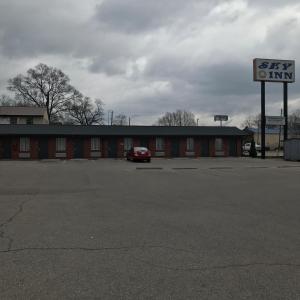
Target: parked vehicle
<point>247,147</point>
<point>139,154</point>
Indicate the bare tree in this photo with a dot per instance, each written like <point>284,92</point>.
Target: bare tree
<point>294,123</point>
<point>81,110</point>
<point>178,118</point>
<point>252,121</point>
<point>6,100</point>
<point>120,119</point>
<point>44,86</point>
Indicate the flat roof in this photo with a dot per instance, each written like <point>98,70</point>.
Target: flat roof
<point>22,111</point>
<point>104,130</point>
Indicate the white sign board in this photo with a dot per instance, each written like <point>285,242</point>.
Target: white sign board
<point>221,118</point>
<point>275,120</point>
<point>273,70</point>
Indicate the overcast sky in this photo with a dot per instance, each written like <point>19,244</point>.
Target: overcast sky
<point>143,58</point>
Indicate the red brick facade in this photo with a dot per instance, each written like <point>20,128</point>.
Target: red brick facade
<point>70,146</point>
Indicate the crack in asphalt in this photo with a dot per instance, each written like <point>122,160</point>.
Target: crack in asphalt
<point>218,267</point>
<point>153,265</point>
<point>10,220</point>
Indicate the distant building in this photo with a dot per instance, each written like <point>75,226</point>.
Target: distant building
<point>271,136</point>
<point>23,115</point>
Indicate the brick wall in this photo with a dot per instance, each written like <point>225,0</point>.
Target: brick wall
<point>226,146</point>
<point>182,147</point>
<point>87,147</point>
<point>212,151</point>
<point>34,148</point>
<point>197,147</point>
<point>167,147</point>
<point>15,146</point>
<point>52,147</point>
<point>239,146</point>
<point>120,147</point>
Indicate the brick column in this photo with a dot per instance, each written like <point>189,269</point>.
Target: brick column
<point>212,152</point>
<point>51,147</point>
<point>70,147</point>
<point>15,146</point>
<point>34,148</point>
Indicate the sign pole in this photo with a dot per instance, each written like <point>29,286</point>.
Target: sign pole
<point>285,110</point>
<point>263,120</point>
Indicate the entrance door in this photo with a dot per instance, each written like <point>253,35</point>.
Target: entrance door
<point>144,142</point>
<point>204,143</point>
<point>6,148</point>
<point>43,148</point>
<point>232,147</point>
<point>112,150</point>
<point>78,148</point>
<point>175,147</point>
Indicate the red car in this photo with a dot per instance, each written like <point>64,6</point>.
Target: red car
<point>139,153</point>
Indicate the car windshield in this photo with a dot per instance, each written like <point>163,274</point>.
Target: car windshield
<point>140,149</point>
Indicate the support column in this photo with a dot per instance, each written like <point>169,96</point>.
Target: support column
<point>285,110</point>
<point>263,120</point>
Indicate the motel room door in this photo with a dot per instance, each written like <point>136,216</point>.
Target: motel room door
<point>112,147</point>
<point>204,144</point>
<point>144,142</point>
<point>6,148</point>
<point>78,143</point>
<point>175,147</point>
<point>43,147</point>
<point>232,147</point>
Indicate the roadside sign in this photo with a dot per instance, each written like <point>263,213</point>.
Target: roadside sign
<point>273,70</point>
<point>275,120</point>
<point>221,118</point>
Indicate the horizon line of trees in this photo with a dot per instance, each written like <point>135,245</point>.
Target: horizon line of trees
<point>48,87</point>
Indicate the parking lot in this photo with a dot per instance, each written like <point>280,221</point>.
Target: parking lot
<point>209,228</point>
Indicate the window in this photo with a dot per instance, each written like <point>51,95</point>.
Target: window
<point>219,145</point>
<point>95,144</point>
<point>190,144</point>
<point>127,144</point>
<point>24,144</point>
<point>29,120</point>
<point>160,144</point>
<point>60,144</point>
<point>13,120</point>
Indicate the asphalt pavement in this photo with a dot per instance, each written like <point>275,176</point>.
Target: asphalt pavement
<point>210,228</point>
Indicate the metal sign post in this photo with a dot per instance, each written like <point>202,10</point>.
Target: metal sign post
<point>273,70</point>
<point>263,120</point>
<point>285,110</point>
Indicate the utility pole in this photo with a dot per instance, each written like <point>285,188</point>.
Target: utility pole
<point>279,140</point>
<point>112,117</point>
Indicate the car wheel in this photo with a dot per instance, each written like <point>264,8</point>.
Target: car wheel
<point>149,160</point>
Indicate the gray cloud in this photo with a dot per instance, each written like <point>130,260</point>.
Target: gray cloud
<point>147,57</point>
<point>135,16</point>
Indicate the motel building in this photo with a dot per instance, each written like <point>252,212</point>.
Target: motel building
<point>92,142</point>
